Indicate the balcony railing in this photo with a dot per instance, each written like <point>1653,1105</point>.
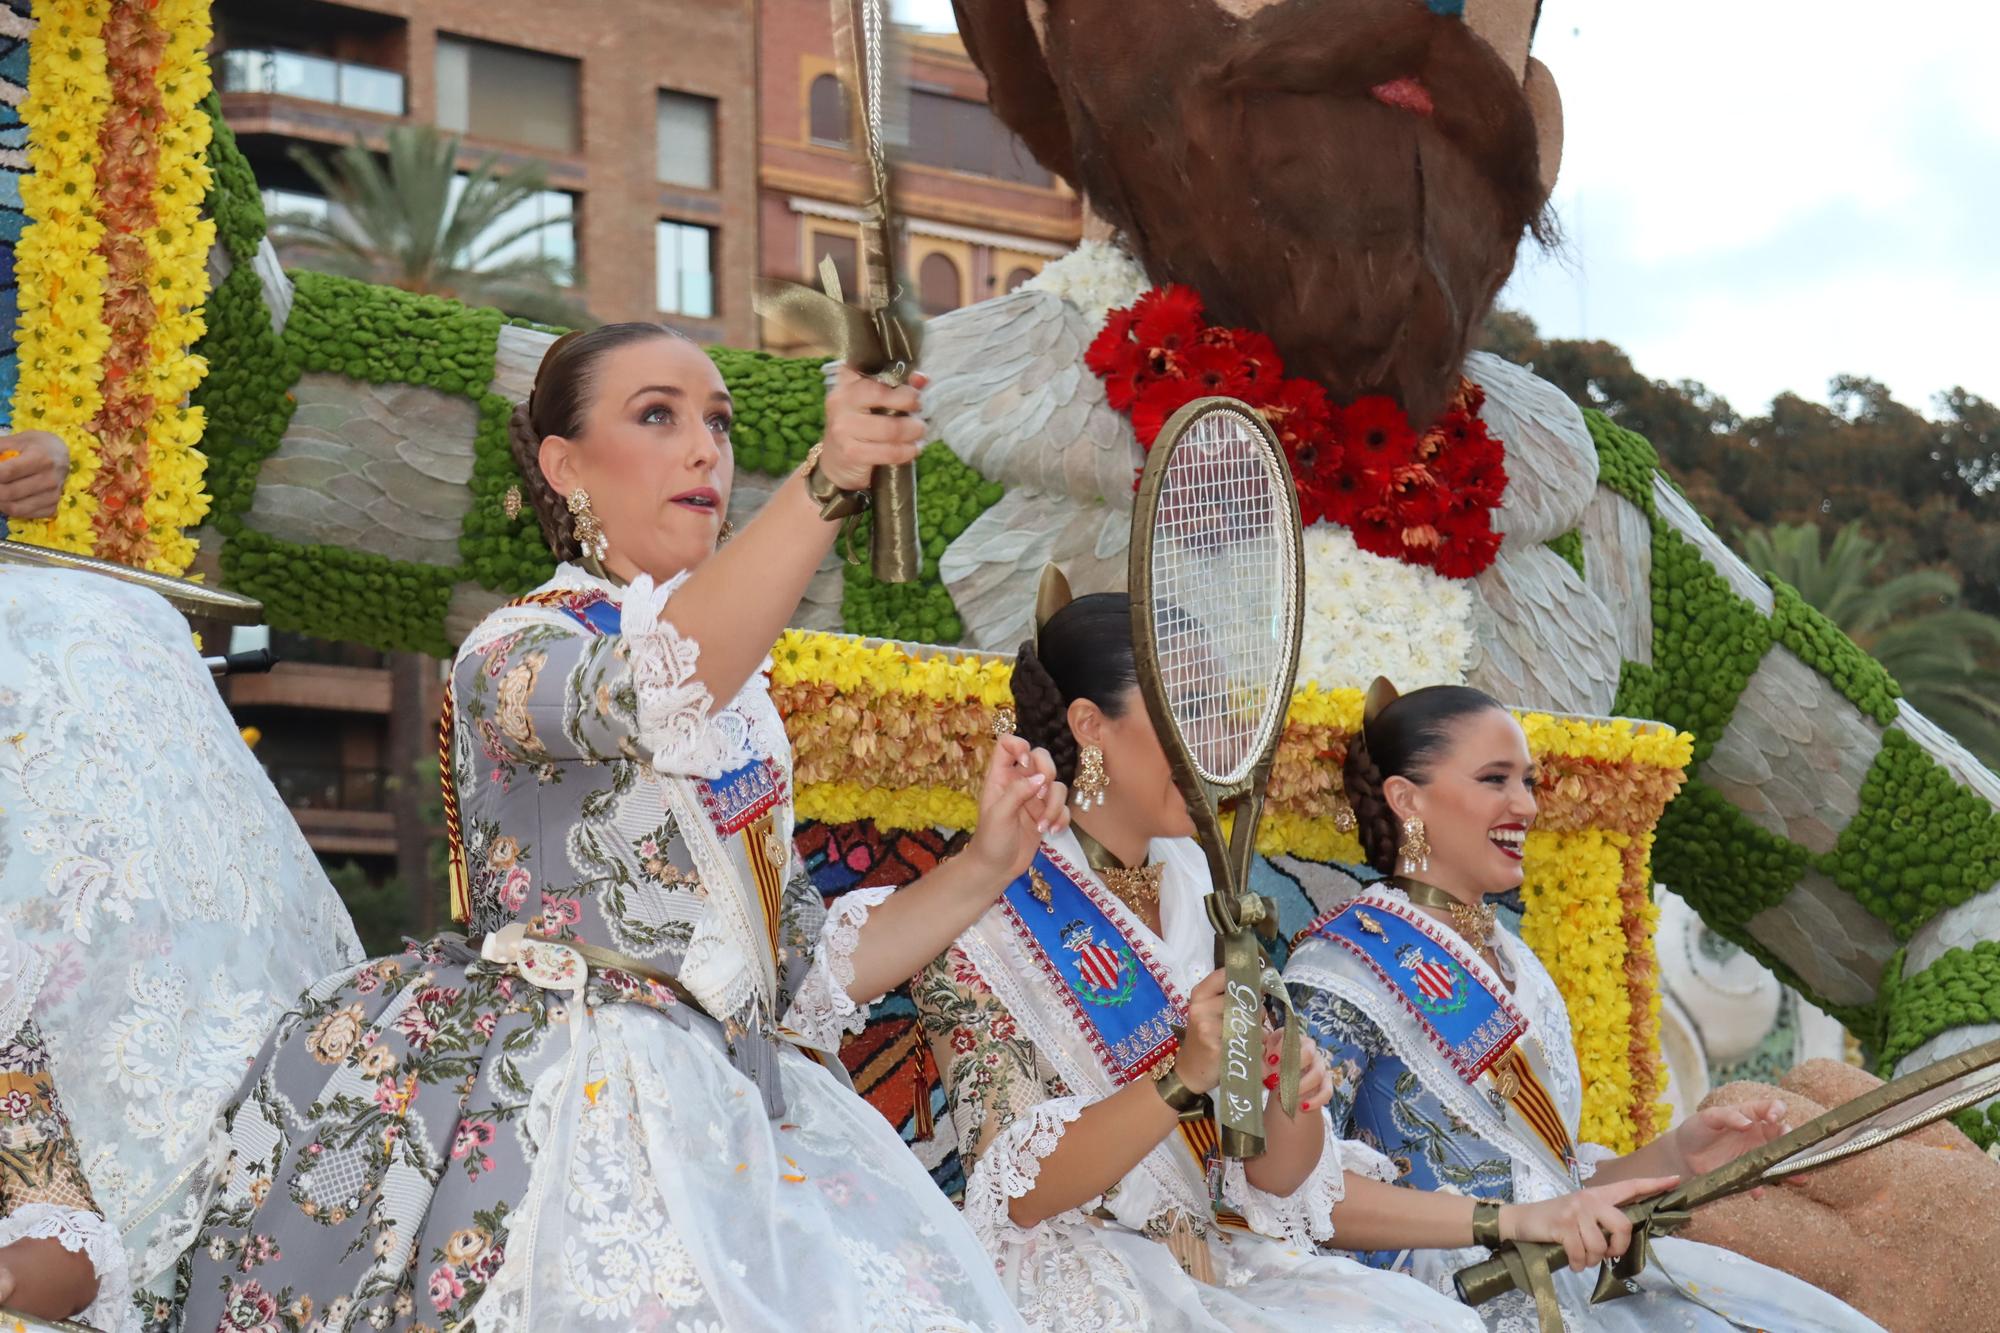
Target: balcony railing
<point>314,79</point>
<point>308,787</point>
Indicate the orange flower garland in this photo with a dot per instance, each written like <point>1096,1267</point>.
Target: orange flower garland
<point>132,48</point>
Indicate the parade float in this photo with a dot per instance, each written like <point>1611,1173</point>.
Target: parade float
<point>338,452</point>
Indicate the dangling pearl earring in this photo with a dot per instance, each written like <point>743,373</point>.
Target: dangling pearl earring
<point>1415,851</point>
<point>589,532</point>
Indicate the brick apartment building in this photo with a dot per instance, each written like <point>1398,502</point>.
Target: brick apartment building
<point>689,145</point>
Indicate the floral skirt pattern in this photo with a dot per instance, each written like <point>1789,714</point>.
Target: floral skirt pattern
<point>430,1142</point>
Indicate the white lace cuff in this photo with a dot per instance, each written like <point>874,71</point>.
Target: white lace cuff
<point>1590,1156</point>
<point>1009,1166</point>
<point>822,1010</point>
<point>1302,1218</point>
<point>85,1233</point>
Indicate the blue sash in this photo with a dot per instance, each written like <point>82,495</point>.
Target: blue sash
<point>1471,1024</point>
<point>1109,983</point>
<point>593,610</point>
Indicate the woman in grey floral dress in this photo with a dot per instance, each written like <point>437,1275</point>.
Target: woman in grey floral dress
<point>616,1106</point>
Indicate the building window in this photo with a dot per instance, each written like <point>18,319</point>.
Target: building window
<point>938,288</point>
<point>311,78</point>
<point>507,94</point>
<point>830,123</point>
<point>542,226</point>
<point>845,252</point>
<point>687,140</point>
<point>1019,276</point>
<point>962,135</point>
<point>685,262</point>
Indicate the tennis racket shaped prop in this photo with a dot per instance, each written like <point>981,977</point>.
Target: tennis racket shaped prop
<point>1217,594</point>
<point>1884,1115</point>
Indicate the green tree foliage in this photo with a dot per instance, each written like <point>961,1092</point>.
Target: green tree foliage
<point>401,219</point>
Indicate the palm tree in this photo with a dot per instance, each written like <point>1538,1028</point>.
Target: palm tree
<point>1940,653</point>
<point>410,220</point>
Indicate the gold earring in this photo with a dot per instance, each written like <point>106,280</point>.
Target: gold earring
<point>727,531</point>
<point>1415,851</point>
<point>510,503</point>
<point>589,532</point>
<point>1091,782</point>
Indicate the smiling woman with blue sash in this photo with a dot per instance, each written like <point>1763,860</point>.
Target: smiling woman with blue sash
<point>1077,1025</point>
<point>1451,1052</point>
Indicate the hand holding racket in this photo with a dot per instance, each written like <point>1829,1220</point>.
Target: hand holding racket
<point>1908,1104</point>
<point>1217,597</point>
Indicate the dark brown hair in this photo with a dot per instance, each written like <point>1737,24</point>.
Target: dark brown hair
<point>1085,653</point>
<point>558,405</point>
<point>1404,740</point>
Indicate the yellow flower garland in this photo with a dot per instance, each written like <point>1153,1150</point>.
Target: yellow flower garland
<point>178,249</point>
<point>1575,924</point>
<point>898,736</point>
<point>62,332</point>
<point>60,275</point>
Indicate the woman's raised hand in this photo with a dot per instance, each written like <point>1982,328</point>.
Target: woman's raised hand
<point>1589,1224</point>
<point>1019,803</point>
<point>863,431</point>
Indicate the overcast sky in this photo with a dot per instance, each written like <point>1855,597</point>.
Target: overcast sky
<point>1761,194</point>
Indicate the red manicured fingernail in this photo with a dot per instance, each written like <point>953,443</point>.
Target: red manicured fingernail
<point>1270,1080</point>
<point>1270,1059</point>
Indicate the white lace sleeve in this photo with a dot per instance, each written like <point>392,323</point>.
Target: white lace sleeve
<point>88,1234</point>
<point>822,1010</point>
<point>1590,1156</point>
<point>674,723</point>
<point>1303,1217</point>
<point>1009,1166</point>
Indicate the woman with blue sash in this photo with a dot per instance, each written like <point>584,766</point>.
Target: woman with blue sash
<point>618,1105</point>
<point>1451,1051</point>
<point>1077,1025</point>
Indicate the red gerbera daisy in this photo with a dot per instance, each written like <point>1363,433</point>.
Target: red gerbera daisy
<point>1167,317</point>
<point>1377,435</point>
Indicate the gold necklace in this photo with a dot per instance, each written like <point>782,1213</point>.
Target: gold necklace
<point>1475,921</point>
<point>1137,887</point>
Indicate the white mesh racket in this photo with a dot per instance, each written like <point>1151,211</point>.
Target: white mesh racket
<point>1217,592</point>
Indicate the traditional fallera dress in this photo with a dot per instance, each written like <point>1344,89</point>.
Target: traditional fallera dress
<point>43,1192</point>
<point>1467,1081</point>
<point>1053,1000</point>
<point>541,1137</point>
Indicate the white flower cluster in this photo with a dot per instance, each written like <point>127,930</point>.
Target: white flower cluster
<point>1097,277</point>
<point>1367,616</point>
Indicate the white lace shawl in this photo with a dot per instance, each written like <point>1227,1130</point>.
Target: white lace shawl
<point>22,967</point>
<point>1167,1179</point>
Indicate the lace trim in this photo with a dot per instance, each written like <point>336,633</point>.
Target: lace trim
<point>85,1233</point>
<point>1008,1168</point>
<point>1301,1218</point>
<point>822,1010</point>
<point>678,724</point>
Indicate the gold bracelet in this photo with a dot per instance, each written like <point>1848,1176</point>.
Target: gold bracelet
<point>834,503</point>
<point>1486,1224</point>
<point>1174,1091</point>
